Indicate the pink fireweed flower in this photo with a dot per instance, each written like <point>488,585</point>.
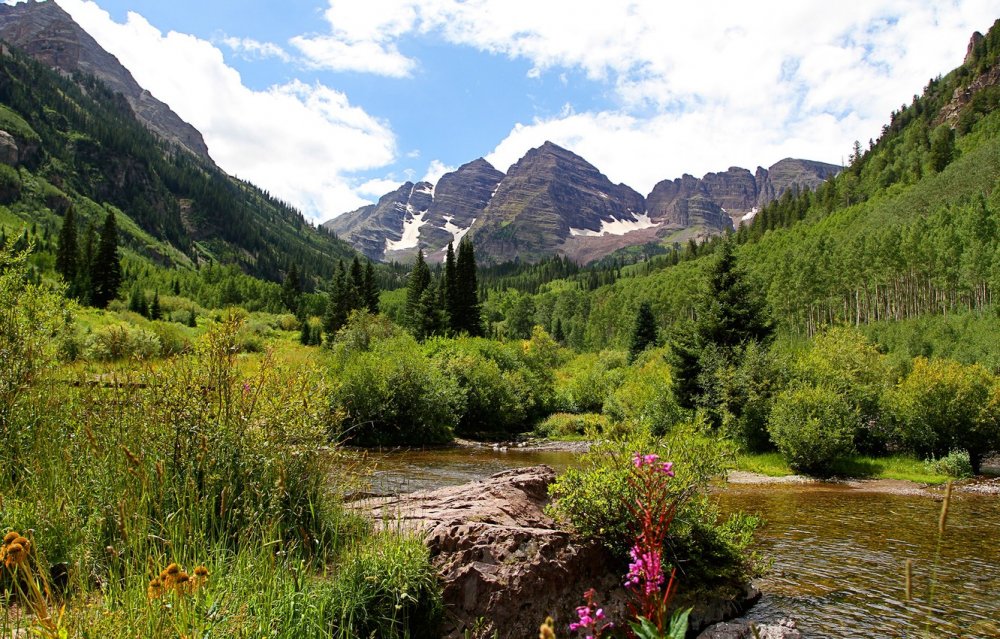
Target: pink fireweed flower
<point>645,573</point>
<point>667,469</point>
<point>591,618</point>
<point>640,460</point>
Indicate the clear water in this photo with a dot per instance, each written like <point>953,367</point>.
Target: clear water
<point>839,553</point>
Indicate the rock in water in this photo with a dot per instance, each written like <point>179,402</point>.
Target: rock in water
<point>504,564</point>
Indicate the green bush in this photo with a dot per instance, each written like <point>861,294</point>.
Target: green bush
<point>584,384</point>
<point>121,341</point>
<point>942,405</point>
<point>495,400</point>
<point>174,339</point>
<point>644,400</point>
<point>842,360</point>
<point>386,589</point>
<point>393,395</point>
<point>709,552</point>
<point>813,427</point>
<point>955,464</point>
<point>561,425</point>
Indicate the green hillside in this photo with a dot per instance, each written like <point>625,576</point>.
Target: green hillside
<point>79,145</point>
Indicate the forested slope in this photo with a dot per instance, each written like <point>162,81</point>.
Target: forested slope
<point>79,145</point>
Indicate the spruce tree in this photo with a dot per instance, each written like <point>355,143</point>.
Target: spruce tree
<point>431,320</point>
<point>467,292</point>
<point>155,312</point>
<point>343,298</point>
<point>137,301</point>
<point>106,270</point>
<point>291,290</point>
<point>68,251</point>
<point>370,290</point>
<point>644,331</point>
<point>419,280</point>
<point>450,289</point>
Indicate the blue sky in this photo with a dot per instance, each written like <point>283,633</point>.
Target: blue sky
<point>331,103</point>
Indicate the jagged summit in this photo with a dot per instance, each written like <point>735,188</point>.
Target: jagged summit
<point>554,202</point>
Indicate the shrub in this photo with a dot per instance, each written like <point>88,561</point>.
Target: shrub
<point>842,359</point>
<point>393,395</point>
<point>954,464</point>
<point>173,339</point>
<point>942,405</point>
<point>121,341</point>
<point>589,425</point>
<point>595,497</point>
<point>386,589</point>
<point>586,382</point>
<point>813,427</point>
<point>495,400</point>
<point>644,400</point>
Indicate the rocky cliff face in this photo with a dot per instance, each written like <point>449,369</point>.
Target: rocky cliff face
<point>553,202</point>
<point>49,34</point>
<point>420,215</point>
<point>392,227</point>
<point>721,201</point>
<point>547,198</point>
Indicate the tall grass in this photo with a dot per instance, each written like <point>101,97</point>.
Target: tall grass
<point>201,462</point>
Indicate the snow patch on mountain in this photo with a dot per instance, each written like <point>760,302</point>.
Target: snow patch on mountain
<point>618,227</point>
<point>411,232</point>
<point>457,232</point>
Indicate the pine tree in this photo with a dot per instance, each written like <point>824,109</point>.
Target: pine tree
<point>357,275</point>
<point>450,289</point>
<point>68,251</point>
<point>155,313</point>
<point>370,289</point>
<point>467,292</point>
<point>106,270</point>
<point>343,298</point>
<point>305,333</point>
<point>431,320</point>
<point>291,290</point>
<point>192,320</point>
<point>419,280</point>
<point>137,301</point>
<point>644,332</point>
<point>557,332</point>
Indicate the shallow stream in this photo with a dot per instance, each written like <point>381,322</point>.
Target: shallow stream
<point>839,553</point>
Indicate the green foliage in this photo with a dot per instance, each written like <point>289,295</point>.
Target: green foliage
<point>386,589</point>
<point>121,341</point>
<point>393,395</point>
<point>595,497</point>
<point>644,400</point>
<point>497,400</point>
<point>955,464</point>
<point>573,426</point>
<point>842,360</point>
<point>10,184</point>
<point>32,318</point>
<point>466,307</point>
<point>813,427</point>
<point>106,269</point>
<point>586,381</point>
<point>419,280</point>
<point>942,406</point>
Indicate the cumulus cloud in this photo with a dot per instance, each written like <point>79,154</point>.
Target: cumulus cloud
<point>695,87</point>
<point>435,170</point>
<point>299,141</point>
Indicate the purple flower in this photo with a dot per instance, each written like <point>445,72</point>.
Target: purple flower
<point>646,570</point>
<point>639,460</point>
<point>667,469</point>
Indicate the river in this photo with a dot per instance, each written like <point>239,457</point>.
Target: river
<point>839,553</point>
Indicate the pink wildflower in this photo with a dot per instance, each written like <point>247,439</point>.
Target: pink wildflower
<point>645,573</point>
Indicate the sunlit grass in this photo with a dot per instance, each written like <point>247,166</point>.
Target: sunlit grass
<point>902,467</point>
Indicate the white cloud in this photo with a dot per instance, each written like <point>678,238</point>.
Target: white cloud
<point>435,170</point>
<point>253,49</point>
<point>695,87</point>
<point>299,141</point>
<point>378,187</point>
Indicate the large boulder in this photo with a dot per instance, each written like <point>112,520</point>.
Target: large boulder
<point>505,565</point>
<point>8,149</point>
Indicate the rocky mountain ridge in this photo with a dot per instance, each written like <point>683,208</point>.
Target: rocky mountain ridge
<point>554,202</point>
<point>47,33</point>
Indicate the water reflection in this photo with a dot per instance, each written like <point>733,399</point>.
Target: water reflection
<point>838,553</point>
<point>839,558</point>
